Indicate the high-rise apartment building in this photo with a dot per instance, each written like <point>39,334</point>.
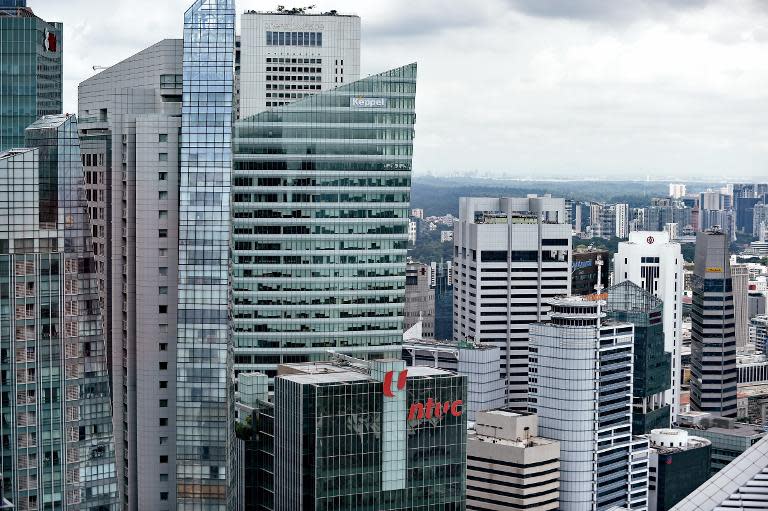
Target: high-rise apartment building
<point>57,443</point>
<point>204,386</point>
<point>30,70</point>
<point>292,53</point>
<point>629,303</point>
<point>713,333</point>
<point>130,123</point>
<point>509,466</point>
<point>321,201</point>
<point>442,278</point>
<point>622,220</point>
<point>419,298</point>
<point>759,220</point>
<point>581,386</point>
<point>677,190</point>
<point>655,263</point>
<point>510,256</point>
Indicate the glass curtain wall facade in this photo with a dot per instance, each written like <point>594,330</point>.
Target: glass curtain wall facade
<point>57,444</point>
<point>31,70</point>
<point>321,199</point>
<point>204,413</point>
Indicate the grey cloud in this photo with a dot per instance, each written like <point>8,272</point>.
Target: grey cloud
<point>603,10</point>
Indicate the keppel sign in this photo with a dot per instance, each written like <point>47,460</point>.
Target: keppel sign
<point>361,102</point>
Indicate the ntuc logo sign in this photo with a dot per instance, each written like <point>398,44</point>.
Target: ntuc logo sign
<point>427,410</point>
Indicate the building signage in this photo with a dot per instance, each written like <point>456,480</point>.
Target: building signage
<point>578,265</point>
<point>714,269</point>
<point>361,102</point>
<point>650,240</point>
<point>417,411</point>
<point>49,41</point>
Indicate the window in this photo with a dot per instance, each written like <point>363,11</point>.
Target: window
<point>163,271</point>
<point>163,459</point>
<point>163,421</point>
<point>163,233</point>
<point>163,440</point>
<point>163,384</point>
<point>164,477</point>
<point>163,346</point>
<point>163,176</point>
<point>162,137</point>
<point>163,327</point>
<point>163,366</point>
<point>162,214</point>
<point>163,252</point>
<point>162,195</point>
<point>162,156</point>
<point>162,290</point>
<point>163,495</point>
<point>162,309</point>
<point>163,403</point>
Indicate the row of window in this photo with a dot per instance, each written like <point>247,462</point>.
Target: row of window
<point>294,38</point>
<point>295,69</point>
<point>299,78</point>
<point>275,60</point>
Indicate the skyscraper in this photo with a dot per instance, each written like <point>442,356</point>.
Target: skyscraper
<point>581,386</point>
<point>419,298</point>
<point>130,123</point>
<point>320,217</point>
<point>57,443</point>
<point>713,334</point>
<point>30,70</point>
<point>204,390</point>
<point>630,303</point>
<point>510,256</point>
<point>653,262</point>
<point>290,54</point>
<point>740,279</point>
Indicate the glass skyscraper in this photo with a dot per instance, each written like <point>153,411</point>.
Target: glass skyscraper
<point>30,70</point>
<point>204,404</point>
<point>321,198</point>
<point>57,445</point>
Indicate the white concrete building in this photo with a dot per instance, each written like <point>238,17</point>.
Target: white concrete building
<point>653,262</point>
<point>510,256</point>
<point>286,56</point>
<point>412,231</point>
<point>417,213</point>
<point>581,370</point>
<point>622,220</point>
<point>446,236</point>
<point>509,466</point>
<point>677,190</point>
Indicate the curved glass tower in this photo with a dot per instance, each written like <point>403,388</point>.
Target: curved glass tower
<point>321,198</point>
<point>203,361</point>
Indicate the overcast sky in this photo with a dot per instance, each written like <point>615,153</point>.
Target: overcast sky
<point>527,88</point>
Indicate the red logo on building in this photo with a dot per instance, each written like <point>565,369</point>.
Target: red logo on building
<point>50,41</point>
<point>430,409</point>
<point>650,240</point>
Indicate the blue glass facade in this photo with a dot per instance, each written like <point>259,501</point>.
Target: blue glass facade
<point>30,68</point>
<point>204,400</point>
<point>321,201</point>
<point>57,444</point>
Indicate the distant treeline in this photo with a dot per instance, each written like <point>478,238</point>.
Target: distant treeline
<point>439,196</point>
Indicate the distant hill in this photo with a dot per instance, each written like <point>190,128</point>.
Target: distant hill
<point>439,196</point>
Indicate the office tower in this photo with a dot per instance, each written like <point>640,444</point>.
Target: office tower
<point>740,279</point>
<point>587,269</point>
<point>291,54</point>
<point>759,332</point>
<point>638,222</point>
<point>757,304</point>
<point>679,463</point>
<point>741,485</point>
<point>204,390</point>
<point>478,362</point>
<point>510,256</point>
<point>442,275</point>
<point>509,466</point>
<point>713,335</point>
<point>130,122</point>
<point>417,213</point>
<point>419,298</point>
<point>759,219</point>
<point>655,263</point>
<point>677,190</point>
<point>31,73</point>
<point>745,212</point>
<point>729,438</point>
<point>581,388</point>
<point>629,303</point>
<point>57,443</point>
<point>320,220</point>
<point>353,434</point>
<point>622,220</point>
<point>412,232</point>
